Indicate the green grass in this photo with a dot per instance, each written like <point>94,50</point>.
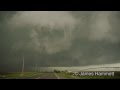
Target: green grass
<point>61,75</point>
<point>64,75</point>
<point>16,75</point>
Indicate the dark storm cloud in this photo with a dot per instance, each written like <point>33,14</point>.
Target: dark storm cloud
<point>59,38</point>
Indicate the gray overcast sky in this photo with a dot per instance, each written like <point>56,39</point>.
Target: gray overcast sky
<point>59,38</point>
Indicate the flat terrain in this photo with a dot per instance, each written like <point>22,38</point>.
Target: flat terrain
<point>48,75</point>
<point>28,75</point>
<point>17,75</point>
<point>63,75</point>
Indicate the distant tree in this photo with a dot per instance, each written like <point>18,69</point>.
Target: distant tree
<point>56,71</point>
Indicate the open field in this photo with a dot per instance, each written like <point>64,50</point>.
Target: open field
<point>28,75</point>
<point>71,76</point>
<point>17,75</point>
<point>53,75</point>
<point>83,72</point>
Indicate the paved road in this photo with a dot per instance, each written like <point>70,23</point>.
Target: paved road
<point>47,76</point>
<point>43,76</point>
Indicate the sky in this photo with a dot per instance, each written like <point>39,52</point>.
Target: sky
<point>58,38</point>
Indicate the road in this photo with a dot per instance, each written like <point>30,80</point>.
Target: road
<point>47,76</point>
<point>43,76</point>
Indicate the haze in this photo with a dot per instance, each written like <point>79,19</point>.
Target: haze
<point>58,38</point>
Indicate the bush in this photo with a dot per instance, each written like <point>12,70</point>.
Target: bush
<point>56,71</point>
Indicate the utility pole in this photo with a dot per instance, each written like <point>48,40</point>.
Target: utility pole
<point>36,67</point>
<point>22,67</point>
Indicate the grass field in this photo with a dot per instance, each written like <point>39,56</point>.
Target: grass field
<point>61,75</point>
<point>17,75</point>
<point>64,75</point>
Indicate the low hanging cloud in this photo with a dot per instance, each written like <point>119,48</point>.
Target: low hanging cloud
<point>101,28</point>
<point>60,37</point>
<point>51,19</point>
<point>49,30</point>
